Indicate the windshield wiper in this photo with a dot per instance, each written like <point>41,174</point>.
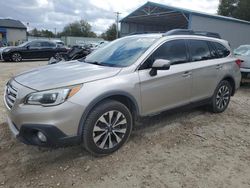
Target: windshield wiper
<point>100,63</point>
<point>93,62</point>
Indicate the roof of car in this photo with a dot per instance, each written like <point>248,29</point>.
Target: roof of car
<point>246,45</point>
<point>40,40</point>
<point>160,35</point>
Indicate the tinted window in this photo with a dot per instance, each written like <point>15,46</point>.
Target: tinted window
<point>199,50</point>
<point>48,44</point>
<point>222,51</point>
<point>174,51</point>
<point>213,51</point>
<point>35,44</point>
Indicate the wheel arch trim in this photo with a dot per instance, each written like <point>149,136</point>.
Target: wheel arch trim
<point>101,98</point>
<point>230,78</point>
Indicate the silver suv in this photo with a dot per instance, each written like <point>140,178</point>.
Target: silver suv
<point>96,101</point>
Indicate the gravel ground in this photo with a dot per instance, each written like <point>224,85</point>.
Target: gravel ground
<point>187,148</point>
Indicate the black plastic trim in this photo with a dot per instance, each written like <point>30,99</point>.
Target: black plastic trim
<point>101,98</point>
<point>55,137</point>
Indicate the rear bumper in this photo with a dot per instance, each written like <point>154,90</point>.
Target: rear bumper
<point>55,138</point>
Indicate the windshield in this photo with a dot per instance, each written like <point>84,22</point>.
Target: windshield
<point>122,52</point>
<point>23,44</point>
<point>242,50</point>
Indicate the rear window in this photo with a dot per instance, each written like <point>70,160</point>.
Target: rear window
<point>199,50</point>
<point>48,44</point>
<point>222,51</point>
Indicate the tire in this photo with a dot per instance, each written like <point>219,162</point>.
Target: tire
<point>221,97</point>
<point>16,57</point>
<point>103,135</point>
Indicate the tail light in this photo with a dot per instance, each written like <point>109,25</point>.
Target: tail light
<point>238,62</point>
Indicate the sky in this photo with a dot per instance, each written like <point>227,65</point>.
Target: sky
<point>51,14</point>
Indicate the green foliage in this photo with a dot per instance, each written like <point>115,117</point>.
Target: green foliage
<point>243,11</point>
<point>110,33</point>
<point>227,7</point>
<point>78,29</point>
<point>41,33</point>
<point>235,8</point>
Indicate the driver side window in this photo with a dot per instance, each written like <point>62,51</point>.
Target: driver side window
<point>175,51</point>
<point>35,44</point>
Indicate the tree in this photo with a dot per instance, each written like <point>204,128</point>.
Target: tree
<point>41,33</point>
<point>79,29</point>
<point>34,32</point>
<point>227,7</point>
<point>243,10</point>
<point>110,33</point>
<point>235,8</point>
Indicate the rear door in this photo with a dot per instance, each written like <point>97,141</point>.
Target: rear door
<point>206,68</point>
<point>49,49</point>
<point>169,88</point>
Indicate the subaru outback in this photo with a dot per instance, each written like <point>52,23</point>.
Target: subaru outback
<point>95,101</point>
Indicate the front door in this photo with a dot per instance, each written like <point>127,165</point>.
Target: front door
<point>33,50</point>
<point>49,49</point>
<point>169,88</point>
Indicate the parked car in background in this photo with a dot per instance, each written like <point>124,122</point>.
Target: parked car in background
<point>59,42</point>
<point>96,101</point>
<point>243,52</point>
<point>99,45</point>
<point>37,49</point>
<point>76,52</point>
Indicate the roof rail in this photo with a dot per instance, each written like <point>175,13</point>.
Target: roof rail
<point>191,32</point>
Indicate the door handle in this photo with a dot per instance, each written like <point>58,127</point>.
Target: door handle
<point>186,74</point>
<point>218,67</point>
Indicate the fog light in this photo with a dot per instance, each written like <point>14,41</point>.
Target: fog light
<point>41,136</point>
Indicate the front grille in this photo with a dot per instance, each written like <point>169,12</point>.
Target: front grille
<point>10,95</point>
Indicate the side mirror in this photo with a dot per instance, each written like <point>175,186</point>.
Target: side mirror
<point>28,47</point>
<point>159,64</point>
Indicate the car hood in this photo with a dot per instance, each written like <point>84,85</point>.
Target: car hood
<point>7,47</point>
<point>3,48</point>
<point>64,74</point>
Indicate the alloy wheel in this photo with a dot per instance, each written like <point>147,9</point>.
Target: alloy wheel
<point>109,129</point>
<point>16,57</point>
<point>222,97</point>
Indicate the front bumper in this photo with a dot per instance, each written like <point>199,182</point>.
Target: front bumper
<point>55,137</point>
<point>4,56</point>
<point>59,123</point>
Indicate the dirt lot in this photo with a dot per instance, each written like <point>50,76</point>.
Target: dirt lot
<point>191,148</point>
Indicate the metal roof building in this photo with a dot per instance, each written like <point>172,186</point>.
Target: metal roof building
<point>154,17</point>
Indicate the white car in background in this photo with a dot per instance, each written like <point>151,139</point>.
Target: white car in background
<point>243,52</point>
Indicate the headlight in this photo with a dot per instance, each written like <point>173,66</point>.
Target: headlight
<point>52,97</point>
